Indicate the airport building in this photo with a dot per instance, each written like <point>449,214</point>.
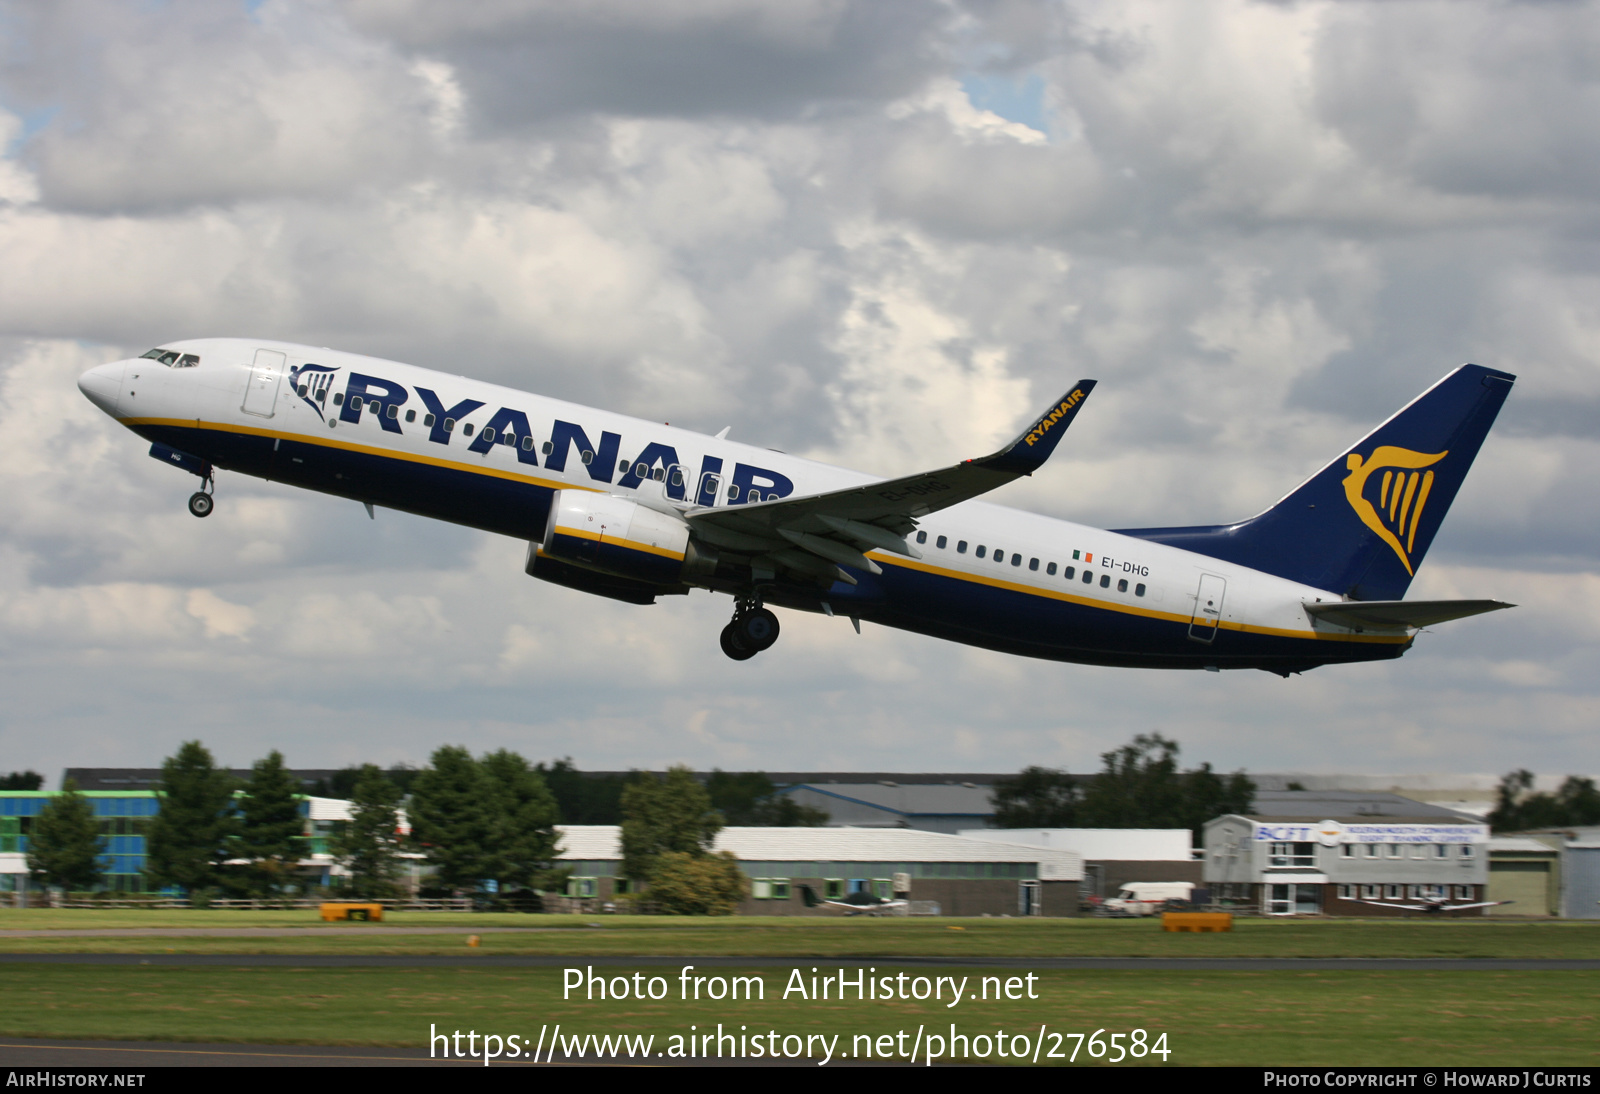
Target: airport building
<point>1335,853</point>
<point>124,818</point>
<point>939,874</point>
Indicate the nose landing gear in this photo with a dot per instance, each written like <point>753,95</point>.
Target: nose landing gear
<point>203,500</point>
<point>752,630</point>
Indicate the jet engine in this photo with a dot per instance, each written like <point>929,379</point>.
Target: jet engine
<point>621,538</point>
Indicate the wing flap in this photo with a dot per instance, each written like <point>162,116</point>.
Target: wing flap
<point>1396,614</point>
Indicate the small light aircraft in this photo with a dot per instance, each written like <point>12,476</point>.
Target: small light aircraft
<point>857,903</point>
<point>1435,907</point>
<point>635,510</point>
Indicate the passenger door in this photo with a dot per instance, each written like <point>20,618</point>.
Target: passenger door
<point>261,391</point>
<point>1207,608</point>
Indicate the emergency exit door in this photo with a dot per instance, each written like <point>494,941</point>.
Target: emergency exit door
<point>261,390</point>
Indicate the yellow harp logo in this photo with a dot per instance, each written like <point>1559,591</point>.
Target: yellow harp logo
<point>1402,494</point>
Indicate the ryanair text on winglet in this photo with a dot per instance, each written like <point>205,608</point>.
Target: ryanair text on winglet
<point>1050,419</point>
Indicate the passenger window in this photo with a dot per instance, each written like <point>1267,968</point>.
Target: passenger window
<point>1088,578</point>
<point>1138,590</point>
<point>922,537</point>
<point>773,496</point>
<point>961,548</point>
<point>677,476</point>
<point>322,396</point>
<point>999,556</point>
<point>301,390</point>
<point>428,420</point>
<point>980,550</point>
<point>411,415</point>
<point>509,437</point>
<point>466,430</point>
<point>1033,564</point>
<point>940,542</point>
<point>449,425</point>
<point>623,466</point>
<point>641,469</point>
<point>1069,573</point>
<point>355,401</point>
<point>659,474</point>
<point>527,444</point>
<point>488,435</point>
<point>1051,569</point>
<point>394,411</point>
<point>1105,581</point>
<point>548,448</point>
<point>587,457</point>
<point>338,397</point>
<point>1016,560</point>
<point>1122,587</point>
<point>733,493</point>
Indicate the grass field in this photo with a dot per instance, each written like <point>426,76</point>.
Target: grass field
<point>1521,1018</point>
<point>814,937</point>
<point>1276,1018</point>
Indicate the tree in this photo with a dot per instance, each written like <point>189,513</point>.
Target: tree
<point>369,845</point>
<point>584,799</point>
<point>1518,808</point>
<point>687,884</point>
<point>188,838</point>
<point>1139,786</point>
<point>673,814</point>
<point>64,842</point>
<point>528,817</point>
<point>456,816</point>
<point>21,780</point>
<point>1037,798</point>
<point>750,798</point>
<point>270,826</point>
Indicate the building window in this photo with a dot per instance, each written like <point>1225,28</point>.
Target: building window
<point>1441,850</point>
<point>1372,849</point>
<point>581,886</point>
<point>1293,854</point>
<point>1466,850</point>
<point>1463,892</point>
<point>1370,892</point>
<point>1395,850</point>
<point>833,887</point>
<point>1347,892</point>
<point>1347,850</point>
<point>1392,892</point>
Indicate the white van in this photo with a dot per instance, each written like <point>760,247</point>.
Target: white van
<point>1148,897</point>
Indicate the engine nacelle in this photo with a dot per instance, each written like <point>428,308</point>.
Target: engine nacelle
<point>616,536</point>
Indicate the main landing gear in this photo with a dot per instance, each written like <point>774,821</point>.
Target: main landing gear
<point>202,501</point>
<point>753,629</point>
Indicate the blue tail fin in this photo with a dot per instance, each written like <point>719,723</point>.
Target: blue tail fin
<point>1361,526</point>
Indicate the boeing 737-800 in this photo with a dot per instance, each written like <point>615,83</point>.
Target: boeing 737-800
<point>635,510</point>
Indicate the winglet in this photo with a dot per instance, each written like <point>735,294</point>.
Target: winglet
<point>1029,451</point>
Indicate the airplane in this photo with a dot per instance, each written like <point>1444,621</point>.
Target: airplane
<point>1436,907</point>
<point>635,510</point>
<point>857,903</point>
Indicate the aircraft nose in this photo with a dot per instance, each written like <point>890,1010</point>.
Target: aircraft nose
<point>102,385</point>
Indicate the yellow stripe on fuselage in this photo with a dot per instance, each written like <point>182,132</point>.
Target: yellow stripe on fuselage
<point>365,449</point>
<point>888,559</point>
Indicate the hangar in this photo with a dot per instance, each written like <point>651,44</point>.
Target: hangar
<point>945,874</point>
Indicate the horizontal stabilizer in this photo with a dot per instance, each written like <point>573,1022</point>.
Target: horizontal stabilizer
<point>1389,614</point>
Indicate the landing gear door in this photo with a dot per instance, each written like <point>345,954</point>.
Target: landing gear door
<point>1207,608</point>
<point>261,392</point>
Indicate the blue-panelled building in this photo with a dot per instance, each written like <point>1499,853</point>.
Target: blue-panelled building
<point>124,817</point>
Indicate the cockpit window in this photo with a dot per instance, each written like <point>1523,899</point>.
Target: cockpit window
<point>171,358</point>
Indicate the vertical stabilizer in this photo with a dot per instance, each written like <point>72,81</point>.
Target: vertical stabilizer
<point>1361,526</point>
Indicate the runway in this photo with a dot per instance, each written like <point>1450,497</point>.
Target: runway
<point>538,961</point>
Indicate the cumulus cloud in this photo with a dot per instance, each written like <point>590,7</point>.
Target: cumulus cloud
<point>1262,227</point>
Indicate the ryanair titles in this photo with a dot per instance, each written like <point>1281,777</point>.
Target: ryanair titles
<point>1055,415</point>
<point>387,402</point>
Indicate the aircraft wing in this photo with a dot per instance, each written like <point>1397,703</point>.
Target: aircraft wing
<point>1390,614</point>
<point>1401,907</point>
<point>814,531</point>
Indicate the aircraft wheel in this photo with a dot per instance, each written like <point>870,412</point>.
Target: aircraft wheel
<point>757,629</point>
<point>732,647</point>
<point>201,504</point>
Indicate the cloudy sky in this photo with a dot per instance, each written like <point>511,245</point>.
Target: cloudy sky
<point>877,232</point>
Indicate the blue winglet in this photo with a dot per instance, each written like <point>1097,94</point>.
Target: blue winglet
<point>1033,447</point>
